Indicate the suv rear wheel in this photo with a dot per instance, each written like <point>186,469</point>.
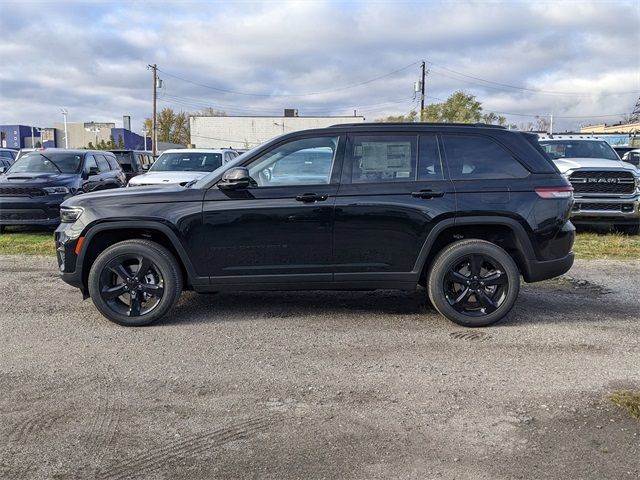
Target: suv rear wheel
<point>135,282</point>
<point>473,283</point>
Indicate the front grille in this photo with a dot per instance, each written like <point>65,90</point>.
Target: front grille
<point>21,191</point>
<point>603,182</point>
<point>23,214</point>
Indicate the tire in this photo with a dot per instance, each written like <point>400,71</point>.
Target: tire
<point>469,301</point>
<point>127,300</point>
<point>628,229</point>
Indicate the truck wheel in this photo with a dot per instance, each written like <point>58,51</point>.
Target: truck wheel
<point>628,229</point>
<point>135,282</point>
<point>473,283</point>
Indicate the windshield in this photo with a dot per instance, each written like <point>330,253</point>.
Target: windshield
<point>48,162</point>
<point>187,162</point>
<point>579,149</point>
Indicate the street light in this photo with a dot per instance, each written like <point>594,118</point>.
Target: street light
<point>65,112</point>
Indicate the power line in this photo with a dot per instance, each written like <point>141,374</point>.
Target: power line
<point>338,89</point>
<point>524,89</point>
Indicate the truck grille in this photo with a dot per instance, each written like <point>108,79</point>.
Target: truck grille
<point>602,182</point>
<point>21,191</point>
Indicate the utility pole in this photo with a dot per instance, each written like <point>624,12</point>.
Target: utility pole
<point>551,124</point>
<point>154,128</point>
<point>424,74</point>
<point>65,112</point>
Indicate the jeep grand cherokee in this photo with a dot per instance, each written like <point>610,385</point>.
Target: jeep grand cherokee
<point>462,210</point>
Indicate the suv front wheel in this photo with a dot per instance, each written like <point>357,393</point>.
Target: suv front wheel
<point>473,283</point>
<point>135,282</point>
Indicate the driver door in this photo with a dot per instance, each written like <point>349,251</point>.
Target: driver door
<point>280,228</point>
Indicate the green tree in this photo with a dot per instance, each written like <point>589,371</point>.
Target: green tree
<point>460,107</point>
<point>408,118</point>
<point>493,119</point>
<point>172,127</point>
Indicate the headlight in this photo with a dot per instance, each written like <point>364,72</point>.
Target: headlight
<point>70,214</point>
<point>53,190</point>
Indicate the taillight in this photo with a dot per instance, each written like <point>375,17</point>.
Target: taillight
<point>555,192</point>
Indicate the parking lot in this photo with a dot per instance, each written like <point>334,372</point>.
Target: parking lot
<point>319,384</point>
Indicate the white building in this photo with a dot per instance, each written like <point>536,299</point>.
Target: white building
<point>248,132</point>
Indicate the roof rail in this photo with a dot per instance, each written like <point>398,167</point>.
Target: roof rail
<point>416,124</point>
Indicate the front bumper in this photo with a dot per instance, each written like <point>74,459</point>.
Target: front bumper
<point>592,210</point>
<point>66,239</point>
<point>25,210</point>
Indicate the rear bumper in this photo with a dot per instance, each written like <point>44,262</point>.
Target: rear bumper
<point>543,270</point>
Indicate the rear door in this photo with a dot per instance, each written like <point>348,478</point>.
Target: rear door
<point>393,191</point>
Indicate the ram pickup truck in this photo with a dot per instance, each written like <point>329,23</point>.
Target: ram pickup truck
<point>606,189</point>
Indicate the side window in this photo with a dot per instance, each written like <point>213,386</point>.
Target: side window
<point>103,165</point>
<point>113,163</point>
<point>471,157</point>
<point>383,158</point>
<point>307,161</point>
<point>429,162</point>
<point>90,163</point>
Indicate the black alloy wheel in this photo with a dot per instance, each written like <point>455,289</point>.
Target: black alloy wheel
<point>135,282</point>
<point>476,286</point>
<point>473,282</point>
<point>131,285</point>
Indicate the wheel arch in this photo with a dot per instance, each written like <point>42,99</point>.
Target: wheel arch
<point>505,232</point>
<point>101,236</point>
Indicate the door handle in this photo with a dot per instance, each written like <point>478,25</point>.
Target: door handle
<point>311,197</point>
<point>427,194</point>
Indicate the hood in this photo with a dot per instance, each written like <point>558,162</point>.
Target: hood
<point>567,164</point>
<point>166,178</point>
<point>38,179</point>
<point>135,196</point>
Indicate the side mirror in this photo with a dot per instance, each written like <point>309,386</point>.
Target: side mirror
<point>235,179</point>
<point>2,169</point>
<point>94,171</point>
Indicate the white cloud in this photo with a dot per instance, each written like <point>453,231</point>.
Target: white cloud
<point>92,57</point>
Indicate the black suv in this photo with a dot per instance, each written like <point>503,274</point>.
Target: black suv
<point>32,189</point>
<point>133,162</point>
<point>463,210</point>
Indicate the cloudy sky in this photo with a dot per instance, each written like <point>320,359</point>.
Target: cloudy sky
<point>579,60</point>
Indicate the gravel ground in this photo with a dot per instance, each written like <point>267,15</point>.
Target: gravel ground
<point>319,384</point>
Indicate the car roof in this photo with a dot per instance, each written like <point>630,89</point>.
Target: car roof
<point>197,150</point>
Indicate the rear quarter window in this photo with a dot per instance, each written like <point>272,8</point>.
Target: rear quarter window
<point>471,157</point>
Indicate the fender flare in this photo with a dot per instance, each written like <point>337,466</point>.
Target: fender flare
<point>142,225</point>
<point>522,239</point>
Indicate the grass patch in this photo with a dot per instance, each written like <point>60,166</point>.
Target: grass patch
<point>27,243</point>
<point>627,401</point>
<point>607,246</point>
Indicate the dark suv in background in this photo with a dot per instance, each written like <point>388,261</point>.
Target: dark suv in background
<point>133,162</point>
<point>462,210</point>
<point>32,189</point>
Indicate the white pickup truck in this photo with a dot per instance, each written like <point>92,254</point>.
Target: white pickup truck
<point>606,189</point>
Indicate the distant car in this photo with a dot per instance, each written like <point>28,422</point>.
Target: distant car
<point>632,157</point>
<point>5,163</point>
<point>133,162</point>
<point>8,154</point>
<point>181,166</point>
<point>32,189</point>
